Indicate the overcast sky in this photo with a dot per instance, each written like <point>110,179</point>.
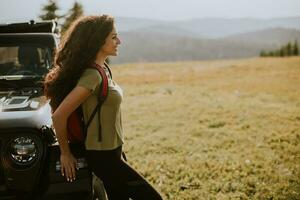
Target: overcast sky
<point>18,10</point>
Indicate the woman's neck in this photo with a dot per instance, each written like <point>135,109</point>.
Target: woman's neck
<point>100,59</point>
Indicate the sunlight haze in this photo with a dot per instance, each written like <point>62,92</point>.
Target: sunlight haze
<point>16,10</point>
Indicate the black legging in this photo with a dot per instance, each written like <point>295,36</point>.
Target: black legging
<point>121,182</point>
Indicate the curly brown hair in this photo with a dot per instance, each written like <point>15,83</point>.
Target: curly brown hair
<point>77,51</point>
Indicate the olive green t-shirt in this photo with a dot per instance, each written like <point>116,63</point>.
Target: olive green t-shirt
<point>110,115</point>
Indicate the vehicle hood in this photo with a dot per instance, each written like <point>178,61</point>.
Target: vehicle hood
<point>21,110</point>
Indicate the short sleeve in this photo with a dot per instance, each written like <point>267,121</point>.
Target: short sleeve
<point>90,79</point>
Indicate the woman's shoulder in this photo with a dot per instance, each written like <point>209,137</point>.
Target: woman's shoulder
<point>90,70</point>
<point>92,73</point>
<point>90,79</point>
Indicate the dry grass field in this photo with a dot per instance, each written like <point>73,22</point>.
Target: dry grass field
<point>215,129</point>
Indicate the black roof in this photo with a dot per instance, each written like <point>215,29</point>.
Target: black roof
<point>47,39</point>
<point>30,27</point>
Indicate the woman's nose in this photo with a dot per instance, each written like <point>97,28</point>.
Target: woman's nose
<point>118,41</point>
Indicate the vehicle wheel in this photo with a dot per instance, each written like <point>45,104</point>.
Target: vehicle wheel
<point>98,189</point>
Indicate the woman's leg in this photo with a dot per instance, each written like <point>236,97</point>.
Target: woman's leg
<point>120,180</point>
<point>136,186</point>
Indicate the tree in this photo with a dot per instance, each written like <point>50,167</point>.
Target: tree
<point>281,52</point>
<point>295,49</point>
<point>277,53</point>
<point>289,49</point>
<point>49,11</point>
<point>75,12</point>
<point>263,53</point>
<point>284,50</point>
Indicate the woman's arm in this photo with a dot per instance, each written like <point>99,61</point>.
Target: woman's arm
<point>71,102</point>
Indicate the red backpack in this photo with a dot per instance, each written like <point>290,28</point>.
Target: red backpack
<point>76,127</point>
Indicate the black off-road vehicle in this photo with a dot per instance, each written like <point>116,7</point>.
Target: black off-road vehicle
<point>29,157</point>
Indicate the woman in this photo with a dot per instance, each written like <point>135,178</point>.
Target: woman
<point>71,84</point>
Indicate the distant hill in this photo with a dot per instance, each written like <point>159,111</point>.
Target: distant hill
<point>273,36</point>
<point>150,40</point>
<point>206,27</point>
<point>218,27</point>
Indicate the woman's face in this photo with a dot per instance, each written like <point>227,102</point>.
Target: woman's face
<point>110,48</point>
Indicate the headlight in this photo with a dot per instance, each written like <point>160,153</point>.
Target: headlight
<point>23,150</point>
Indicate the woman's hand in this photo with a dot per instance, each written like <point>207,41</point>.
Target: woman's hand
<point>68,166</point>
<point>59,118</point>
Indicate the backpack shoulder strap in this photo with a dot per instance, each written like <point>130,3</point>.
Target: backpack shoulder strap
<point>104,83</point>
<point>103,91</point>
<point>102,96</point>
<point>106,65</point>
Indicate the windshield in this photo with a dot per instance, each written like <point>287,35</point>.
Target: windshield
<point>24,60</point>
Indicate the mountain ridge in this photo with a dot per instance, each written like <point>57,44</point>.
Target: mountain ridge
<point>169,41</point>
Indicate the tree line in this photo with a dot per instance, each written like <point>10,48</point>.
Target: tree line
<point>286,50</point>
<point>50,11</point>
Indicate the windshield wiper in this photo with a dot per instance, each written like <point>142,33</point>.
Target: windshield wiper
<point>19,77</point>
